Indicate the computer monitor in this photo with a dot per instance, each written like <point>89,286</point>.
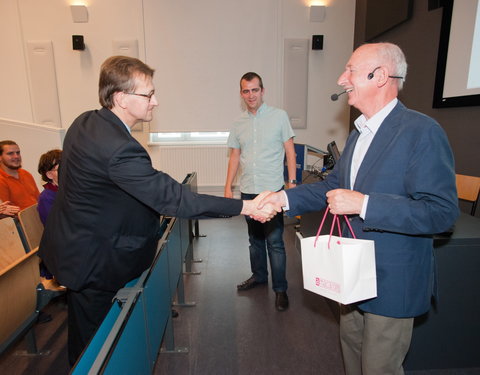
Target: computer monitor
<point>333,150</point>
<point>302,152</point>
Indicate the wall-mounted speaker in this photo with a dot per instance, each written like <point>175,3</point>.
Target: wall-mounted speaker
<point>78,42</point>
<point>317,42</point>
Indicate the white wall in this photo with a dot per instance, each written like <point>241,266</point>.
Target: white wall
<point>14,96</point>
<point>109,20</point>
<point>326,120</point>
<point>201,49</point>
<point>77,71</point>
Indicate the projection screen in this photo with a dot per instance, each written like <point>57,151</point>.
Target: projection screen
<point>457,81</point>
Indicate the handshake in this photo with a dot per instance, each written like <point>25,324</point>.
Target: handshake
<point>265,206</point>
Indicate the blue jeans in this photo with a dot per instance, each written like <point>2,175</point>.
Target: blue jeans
<point>267,238</point>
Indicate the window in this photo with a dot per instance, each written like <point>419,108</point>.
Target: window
<point>189,138</point>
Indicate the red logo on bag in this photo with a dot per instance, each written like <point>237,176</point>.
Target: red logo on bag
<point>327,284</point>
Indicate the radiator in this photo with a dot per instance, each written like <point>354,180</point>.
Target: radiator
<point>210,162</point>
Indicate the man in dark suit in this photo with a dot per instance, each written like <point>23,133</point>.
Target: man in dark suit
<point>396,180</point>
<point>104,226</point>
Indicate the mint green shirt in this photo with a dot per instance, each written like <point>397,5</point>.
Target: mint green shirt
<point>260,139</point>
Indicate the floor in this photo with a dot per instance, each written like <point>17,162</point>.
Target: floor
<point>225,332</point>
<point>230,332</point>
<point>51,339</point>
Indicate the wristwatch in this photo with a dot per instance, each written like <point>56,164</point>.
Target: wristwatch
<point>292,182</point>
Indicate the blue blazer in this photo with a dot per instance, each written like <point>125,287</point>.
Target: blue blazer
<point>408,173</point>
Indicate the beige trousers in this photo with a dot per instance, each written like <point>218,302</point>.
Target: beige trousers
<point>373,344</point>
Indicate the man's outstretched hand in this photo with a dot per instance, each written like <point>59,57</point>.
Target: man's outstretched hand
<point>262,214</point>
<point>276,200</point>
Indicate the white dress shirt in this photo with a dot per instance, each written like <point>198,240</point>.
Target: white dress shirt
<point>367,129</point>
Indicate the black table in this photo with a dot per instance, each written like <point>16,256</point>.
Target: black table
<point>448,336</point>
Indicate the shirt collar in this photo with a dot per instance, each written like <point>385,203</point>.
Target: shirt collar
<point>260,110</point>
<point>51,186</point>
<point>373,123</point>
<point>128,128</point>
<point>8,175</point>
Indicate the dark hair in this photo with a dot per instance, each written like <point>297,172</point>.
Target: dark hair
<point>47,162</point>
<point>6,143</point>
<point>117,74</point>
<point>250,76</point>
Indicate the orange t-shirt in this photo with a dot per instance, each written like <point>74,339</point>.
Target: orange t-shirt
<point>21,191</point>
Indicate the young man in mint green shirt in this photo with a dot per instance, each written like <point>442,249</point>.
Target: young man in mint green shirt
<point>259,141</point>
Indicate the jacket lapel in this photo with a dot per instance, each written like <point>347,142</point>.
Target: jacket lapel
<point>380,143</point>
<point>347,156</point>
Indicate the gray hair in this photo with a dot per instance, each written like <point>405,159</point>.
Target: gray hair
<point>393,56</point>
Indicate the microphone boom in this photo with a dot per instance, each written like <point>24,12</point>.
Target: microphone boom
<point>334,97</point>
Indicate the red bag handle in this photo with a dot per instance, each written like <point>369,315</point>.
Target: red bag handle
<point>335,220</point>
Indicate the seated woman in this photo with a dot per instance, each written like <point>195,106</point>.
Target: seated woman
<point>48,168</point>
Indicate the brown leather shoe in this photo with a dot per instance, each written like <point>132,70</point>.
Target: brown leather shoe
<point>249,284</point>
<point>281,301</point>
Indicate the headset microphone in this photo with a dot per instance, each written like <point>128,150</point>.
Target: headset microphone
<point>372,74</point>
<point>334,97</point>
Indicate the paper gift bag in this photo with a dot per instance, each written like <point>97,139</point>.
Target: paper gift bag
<point>339,268</point>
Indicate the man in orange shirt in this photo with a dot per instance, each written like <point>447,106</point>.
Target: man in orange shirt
<point>16,184</point>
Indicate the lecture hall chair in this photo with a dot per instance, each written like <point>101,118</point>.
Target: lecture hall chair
<point>468,189</point>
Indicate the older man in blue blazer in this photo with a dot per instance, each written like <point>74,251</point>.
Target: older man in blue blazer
<point>396,180</point>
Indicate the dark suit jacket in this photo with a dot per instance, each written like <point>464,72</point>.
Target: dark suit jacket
<point>103,228</point>
<point>408,173</point>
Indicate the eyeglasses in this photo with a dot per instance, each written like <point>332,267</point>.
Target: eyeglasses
<point>148,96</point>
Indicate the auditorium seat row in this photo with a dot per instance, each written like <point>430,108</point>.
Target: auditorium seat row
<point>21,292</point>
